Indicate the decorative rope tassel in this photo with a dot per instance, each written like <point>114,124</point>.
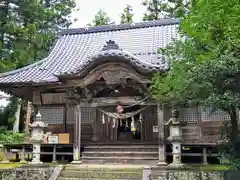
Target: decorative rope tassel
<point>103,118</point>
<point>140,118</point>
<point>109,119</point>
<point>114,123</point>
<point>121,123</point>
<point>126,125</point>
<point>133,125</point>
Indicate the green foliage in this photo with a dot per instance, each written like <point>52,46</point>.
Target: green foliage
<point>28,28</point>
<point>8,137</point>
<point>101,18</point>
<point>127,15</point>
<point>157,9</point>
<point>205,63</point>
<point>7,115</point>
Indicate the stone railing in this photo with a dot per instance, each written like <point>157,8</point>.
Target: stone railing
<point>27,173</point>
<point>191,175</point>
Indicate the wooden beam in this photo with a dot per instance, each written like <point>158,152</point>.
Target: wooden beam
<point>109,101</point>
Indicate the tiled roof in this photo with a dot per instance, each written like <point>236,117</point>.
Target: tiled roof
<point>76,48</point>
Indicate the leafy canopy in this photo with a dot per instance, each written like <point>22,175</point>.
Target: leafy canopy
<point>205,60</point>
<point>157,9</point>
<point>101,18</point>
<point>127,15</point>
<point>28,28</point>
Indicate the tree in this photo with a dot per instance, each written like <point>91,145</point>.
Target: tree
<point>157,9</point>
<point>27,29</point>
<point>127,15</point>
<point>101,18</point>
<point>205,64</point>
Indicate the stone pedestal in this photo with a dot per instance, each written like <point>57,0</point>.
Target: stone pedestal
<point>76,156</point>
<point>36,138</point>
<point>36,154</point>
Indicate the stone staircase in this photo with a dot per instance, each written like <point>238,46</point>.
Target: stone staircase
<point>120,154</point>
<point>98,172</point>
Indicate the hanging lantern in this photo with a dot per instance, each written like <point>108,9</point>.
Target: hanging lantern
<point>119,108</point>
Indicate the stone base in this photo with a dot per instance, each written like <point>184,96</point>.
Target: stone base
<point>160,163</point>
<point>76,162</point>
<point>35,162</point>
<point>173,165</point>
<point>4,162</point>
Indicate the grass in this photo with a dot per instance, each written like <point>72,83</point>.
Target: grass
<point>208,167</point>
<point>10,165</point>
<point>214,167</point>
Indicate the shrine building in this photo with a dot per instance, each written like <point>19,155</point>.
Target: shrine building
<point>94,86</point>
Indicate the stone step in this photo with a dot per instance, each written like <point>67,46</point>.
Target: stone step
<point>101,175</point>
<point>117,161</point>
<point>103,169</point>
<point>120,154</point>
<point>130,148</point>
<point>71,178</point>
<point>121,158</point>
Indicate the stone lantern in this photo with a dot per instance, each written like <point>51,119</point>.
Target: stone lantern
<point>175,128</point>
<point>36,137</point>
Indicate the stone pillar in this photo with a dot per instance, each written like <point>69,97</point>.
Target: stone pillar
<point>161,145</point>
<point>77,136</point>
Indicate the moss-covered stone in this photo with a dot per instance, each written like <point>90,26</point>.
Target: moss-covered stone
<point>27,173</point>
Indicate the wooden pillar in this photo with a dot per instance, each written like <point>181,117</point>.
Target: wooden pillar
<point>28,116</point>
<point>161,145</point>
<point>54,153</point>
<point>77,136</point>
<point>95,125</point>
<point>23,154</point>
<point>65,117</point>
<point>5,157</point>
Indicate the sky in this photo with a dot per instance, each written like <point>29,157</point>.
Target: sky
<point>114,8</point>
<point>88,9</point>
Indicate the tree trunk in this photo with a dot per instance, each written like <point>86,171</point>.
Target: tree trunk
<point>234,131</point>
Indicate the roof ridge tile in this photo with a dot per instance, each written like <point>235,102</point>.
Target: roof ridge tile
<point>118,27</point>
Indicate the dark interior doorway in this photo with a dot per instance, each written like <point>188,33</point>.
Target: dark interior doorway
<point>125,132</point>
